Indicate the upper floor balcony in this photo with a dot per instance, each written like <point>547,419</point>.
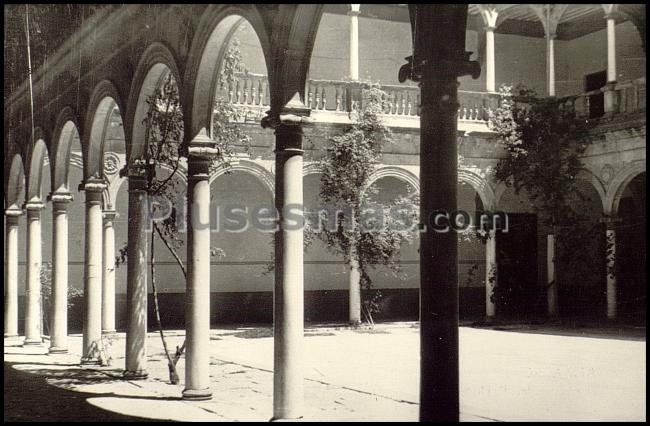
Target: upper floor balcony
<point>332,101</point>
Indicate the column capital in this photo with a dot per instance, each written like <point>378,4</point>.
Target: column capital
<point>34,205</point>
<point>12,215</point>
<point>295,113</point>
<point>355,9</point>
<point>490,14</point>
<point>93,184</point>
<point>13,212</point>
<point>109,215</point>
<point>614,15</point>
<point>611,222</point>
<point>60,201</point>
<point>201,152</point>
<point>135,169</point>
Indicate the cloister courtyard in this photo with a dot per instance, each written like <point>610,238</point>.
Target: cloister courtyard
<point>428,212</point>
<point>355,375</point>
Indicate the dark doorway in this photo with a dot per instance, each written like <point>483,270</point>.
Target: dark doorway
<point>631,253</point>
<point>597,101</point>
<point>517,292</point>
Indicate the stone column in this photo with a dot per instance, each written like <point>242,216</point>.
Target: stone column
<point>33,312</point>
<point>551,279</point>
<point>439,57</point>
<point>201,153</point>
<point>92,329</point>
<point>59,315</point>
<point>12,216</point>
<point>136,280</point>
<point>550,63</point>
<point>354,41</point>
<point>610,259</point>
<point>610,94</point>
<point>489,13</point>
<point>108,278</point>
<point>490,274</point>
<point>354,316</point>
<point>288,297</point>
<point>490,75</point>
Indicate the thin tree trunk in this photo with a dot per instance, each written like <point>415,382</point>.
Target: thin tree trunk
<point>171,250</point>
<point>173,376</point>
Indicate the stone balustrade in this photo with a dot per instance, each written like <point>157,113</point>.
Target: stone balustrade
<point>251,91</point>
<point>629,97</point>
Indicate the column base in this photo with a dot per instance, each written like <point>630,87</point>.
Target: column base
<point>90,361</point>
<point>33,342</point>
<point>135,375</point>
<point>197,394</point>
<point>57,350</point>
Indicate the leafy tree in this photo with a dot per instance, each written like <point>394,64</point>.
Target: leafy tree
<point>360,234</point>
<point>543,142</point>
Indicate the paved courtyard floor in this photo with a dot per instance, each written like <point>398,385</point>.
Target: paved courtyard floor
<point>363,374</point>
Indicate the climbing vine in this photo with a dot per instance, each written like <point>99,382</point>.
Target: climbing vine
<point>543,141</point>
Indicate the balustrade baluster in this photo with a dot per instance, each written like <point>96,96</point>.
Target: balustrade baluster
<point>409,105</point>
<point>239,90</point>
<point>337,97</point>
<point>323,99</point>
<point>247,86</point>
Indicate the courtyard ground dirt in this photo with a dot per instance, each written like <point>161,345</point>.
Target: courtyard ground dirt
<point>362,374</point>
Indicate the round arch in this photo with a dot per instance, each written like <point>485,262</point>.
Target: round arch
<point>311,169</point>
<point>208,47</point>
<point>104,99</point>
<point>259,172</point>
<point>154,65</point>
<point>67,125</point>
<point>396,172</point>
<point>619,183</point>
<point>481,186</point>
<point>15,189</point>
<point>592,179</point>
<point>36,162</point>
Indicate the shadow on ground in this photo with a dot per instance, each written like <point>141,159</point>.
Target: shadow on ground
<point>28,397</point>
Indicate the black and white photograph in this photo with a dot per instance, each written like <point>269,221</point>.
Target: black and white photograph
<point>324,212</point>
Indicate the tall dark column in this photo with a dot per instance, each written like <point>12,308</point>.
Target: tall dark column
<point>439,58</point>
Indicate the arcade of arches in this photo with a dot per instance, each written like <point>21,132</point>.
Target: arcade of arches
<point>63,181</point>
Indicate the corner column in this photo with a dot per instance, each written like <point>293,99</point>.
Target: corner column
<point>201,153</point>
<point>136,279</point>
<point>490,274</point>
<point>12,216</point>
<point>92,328</point>
<point>33,312</point>
<point>288,293</point>
<point>59,332</point>
<point>108,278</point>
